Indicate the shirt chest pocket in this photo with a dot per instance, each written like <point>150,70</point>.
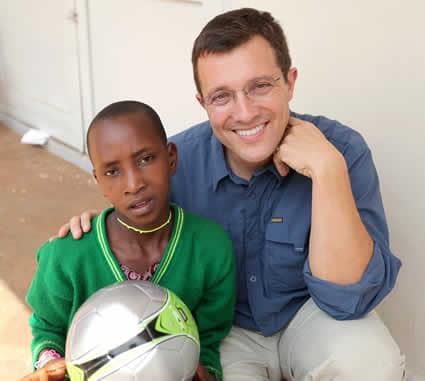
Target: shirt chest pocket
<point>285,254</point>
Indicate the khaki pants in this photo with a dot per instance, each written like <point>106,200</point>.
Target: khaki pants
<point>314,347</point>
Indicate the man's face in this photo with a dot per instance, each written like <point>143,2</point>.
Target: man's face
<point>133,167</point>
<point>249,127</point>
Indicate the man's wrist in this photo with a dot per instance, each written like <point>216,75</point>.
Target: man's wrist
<point>332,166</point>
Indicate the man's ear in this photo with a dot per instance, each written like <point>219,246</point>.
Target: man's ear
<point>172,157</point>
<point>292,78</point>
<point>200,100</point>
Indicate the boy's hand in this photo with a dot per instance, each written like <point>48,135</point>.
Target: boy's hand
<point>202,374</point>
<point>78,225</point>
<point>54,370</point>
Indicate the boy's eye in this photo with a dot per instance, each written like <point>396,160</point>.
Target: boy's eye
<point>145,159</point>
<point>112,172</point>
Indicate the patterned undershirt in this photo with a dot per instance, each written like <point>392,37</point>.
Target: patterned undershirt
<point>133,275</point>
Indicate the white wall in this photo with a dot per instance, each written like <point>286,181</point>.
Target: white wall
<point>361,62</point>
<point>142,50</point>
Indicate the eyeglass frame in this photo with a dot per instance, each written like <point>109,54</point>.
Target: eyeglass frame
<point>269,79</point>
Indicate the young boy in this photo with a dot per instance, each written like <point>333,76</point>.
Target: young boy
<point>141,237</point>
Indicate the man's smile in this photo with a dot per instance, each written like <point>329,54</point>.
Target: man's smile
<point>252,132</point>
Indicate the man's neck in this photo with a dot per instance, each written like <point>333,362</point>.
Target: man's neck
<point>244,169</point>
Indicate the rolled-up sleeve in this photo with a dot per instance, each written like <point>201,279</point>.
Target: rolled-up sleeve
<point>355,300</point>
<point>345,302</point>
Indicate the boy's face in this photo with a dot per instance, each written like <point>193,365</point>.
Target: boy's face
<point>133,168</point>
<point>249,128</point>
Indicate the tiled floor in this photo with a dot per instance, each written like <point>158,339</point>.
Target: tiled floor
<point>38,192</point>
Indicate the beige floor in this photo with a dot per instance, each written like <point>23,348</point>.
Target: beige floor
<point>38,192</point>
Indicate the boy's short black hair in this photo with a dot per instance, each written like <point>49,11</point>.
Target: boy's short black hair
<point>127,107</point>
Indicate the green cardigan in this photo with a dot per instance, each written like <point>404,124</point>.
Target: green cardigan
<point>198,265</point>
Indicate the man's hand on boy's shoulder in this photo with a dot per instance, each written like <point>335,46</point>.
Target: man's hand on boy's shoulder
<point>54,370</point>
<point>77,225</point>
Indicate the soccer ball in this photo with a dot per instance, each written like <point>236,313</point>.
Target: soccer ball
<point>132,331</point>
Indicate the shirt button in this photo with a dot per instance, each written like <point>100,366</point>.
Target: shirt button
<point>252,278</point>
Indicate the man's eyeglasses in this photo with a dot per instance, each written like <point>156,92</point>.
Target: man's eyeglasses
<point>255,90</point>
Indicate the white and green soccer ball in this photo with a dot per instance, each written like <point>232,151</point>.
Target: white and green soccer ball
<point>132,331</point>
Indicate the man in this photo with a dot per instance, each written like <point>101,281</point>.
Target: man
<point>300,197</point>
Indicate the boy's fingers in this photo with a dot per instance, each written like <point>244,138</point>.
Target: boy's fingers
<point>55,370</point>
<point>56,374</point>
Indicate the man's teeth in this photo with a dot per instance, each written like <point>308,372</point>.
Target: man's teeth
<point>250,132</point>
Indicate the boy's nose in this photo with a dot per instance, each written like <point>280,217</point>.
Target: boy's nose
<point>135,182</point>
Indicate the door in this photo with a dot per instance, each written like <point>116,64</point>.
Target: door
<point>40,68</point>
<point>141,49</point>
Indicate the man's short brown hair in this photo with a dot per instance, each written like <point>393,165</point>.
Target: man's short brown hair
<point>229,30</point>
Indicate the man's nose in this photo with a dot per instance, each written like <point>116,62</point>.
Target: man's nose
<point>244,110</point>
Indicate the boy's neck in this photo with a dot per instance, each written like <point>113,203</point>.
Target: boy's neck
<point>137,251</point>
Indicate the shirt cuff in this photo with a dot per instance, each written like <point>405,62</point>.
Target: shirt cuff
<point>348,301</point>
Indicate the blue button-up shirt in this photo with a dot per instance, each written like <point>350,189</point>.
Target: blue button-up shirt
<point>269,218</point>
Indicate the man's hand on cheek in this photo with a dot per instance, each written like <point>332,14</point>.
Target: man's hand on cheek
<point>303,148</point>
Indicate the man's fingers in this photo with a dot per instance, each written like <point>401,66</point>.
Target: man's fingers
<point>64,230</point>
<point>75,227</point>
<point>86,218</point>
<point>281,167</point>
<point>292,121</point>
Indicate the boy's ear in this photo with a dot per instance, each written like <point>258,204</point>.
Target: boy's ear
<point>172,157</point>
<point>94,175</point>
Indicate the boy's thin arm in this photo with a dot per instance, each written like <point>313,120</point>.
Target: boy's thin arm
<point>77,225</point>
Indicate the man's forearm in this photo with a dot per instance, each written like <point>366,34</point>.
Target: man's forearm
<point>340,246</point>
